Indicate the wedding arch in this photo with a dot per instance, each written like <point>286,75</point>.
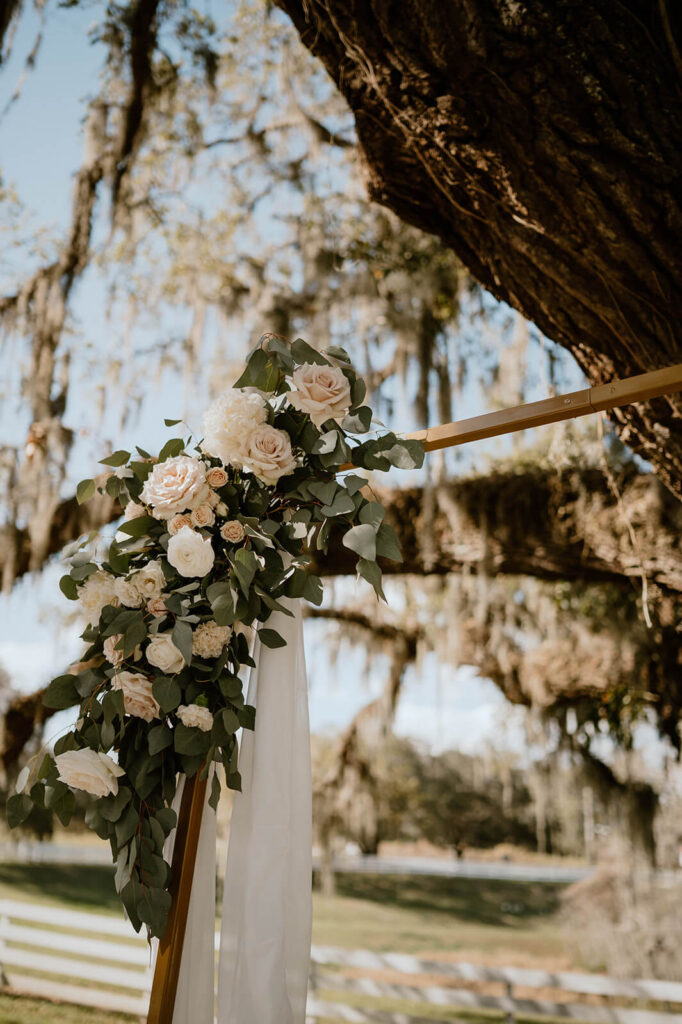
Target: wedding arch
<point>214,551</point>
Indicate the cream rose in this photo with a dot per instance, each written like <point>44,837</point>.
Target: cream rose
<point>177,523</point>
<point>203,516</point>
<point>138,699</point>
<point>229,421</point>
<point>149,581</point>
<point>175,485</point>
<point>216,477</point>
<point>321,391</point>
<point>209,639</point>
<point>113,654</point>
<point>190,553</point>
<point>87,770</point>
<point>127,592</point>
<point>269,455</point>
<point>162,653</point>
<point>134,511</point>
<point>194,716</point>
<point>221,509</point>
<point>157,605</point>
<point>97,591</point>
<point>233,532</point>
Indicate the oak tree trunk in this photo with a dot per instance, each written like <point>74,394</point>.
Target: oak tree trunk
<point>541,142</point>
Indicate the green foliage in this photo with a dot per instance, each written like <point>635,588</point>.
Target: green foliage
<point>131,706</point>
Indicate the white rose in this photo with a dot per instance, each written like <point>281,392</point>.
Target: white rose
<point>157,605</point>
<point>229,421</point>
<point>269,455</point>
<point>127,592</point>
<point>194,716</point>
<point>321,391</point>
<point>113,654</point>
<point>233,532</point>
<point>203,516</point>
<point>209,639</point>
<point>149,581</point>
<point>177,523</point>
<point>138,699</point>
<point>175,485</point>
<point>190,553</point>
<point>134,511</point>
<point>216,476</point>
<point>97,591</point>
<point>162,653</point>
<point>87,770</point>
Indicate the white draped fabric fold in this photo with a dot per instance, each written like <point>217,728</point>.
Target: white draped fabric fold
<point>267,908</point>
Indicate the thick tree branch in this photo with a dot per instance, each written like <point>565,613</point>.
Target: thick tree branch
<point>541,143</point>
<point>555,526</point>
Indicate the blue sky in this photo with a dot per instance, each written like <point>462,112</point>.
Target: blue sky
<point>41,148</point>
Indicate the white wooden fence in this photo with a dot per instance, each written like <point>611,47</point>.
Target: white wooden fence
<point>98,961</point>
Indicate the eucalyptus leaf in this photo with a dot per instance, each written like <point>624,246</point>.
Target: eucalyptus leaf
<point>182,638</point>
<point>68,588</point>
<point>214,798</point>
<point>324,490</point>
<point>305,353</point>
<point>138,527</point>
<point>118,458</point>
<point>173,447</point>
<point>61,693</point>
<point>388,545</point>
<point>85,491</point>
<point>362,540</point>
<point>167,693</point>
<point>19,807</point>
<point>271,638</point>
<point>159,738</point>
<point>358,422</point>
<point>371,572</point>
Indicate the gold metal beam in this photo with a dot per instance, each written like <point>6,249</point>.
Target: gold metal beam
<point>552,410</point>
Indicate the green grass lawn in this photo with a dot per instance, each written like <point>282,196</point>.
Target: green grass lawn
<point>421,914</point>
<point>21,1010</point>
<point>517,921</point>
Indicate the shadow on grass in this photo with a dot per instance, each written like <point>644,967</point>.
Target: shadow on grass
<point>484,901</point>
<point>84,887</point>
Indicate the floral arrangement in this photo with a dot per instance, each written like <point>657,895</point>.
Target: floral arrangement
<point>211,540</point>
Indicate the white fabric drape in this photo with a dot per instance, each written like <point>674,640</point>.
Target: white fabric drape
<point>195,998</point>
<point>267,909</point>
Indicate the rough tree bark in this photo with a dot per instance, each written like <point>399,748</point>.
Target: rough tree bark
<point>552,525</point>
<point>541,142</point>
